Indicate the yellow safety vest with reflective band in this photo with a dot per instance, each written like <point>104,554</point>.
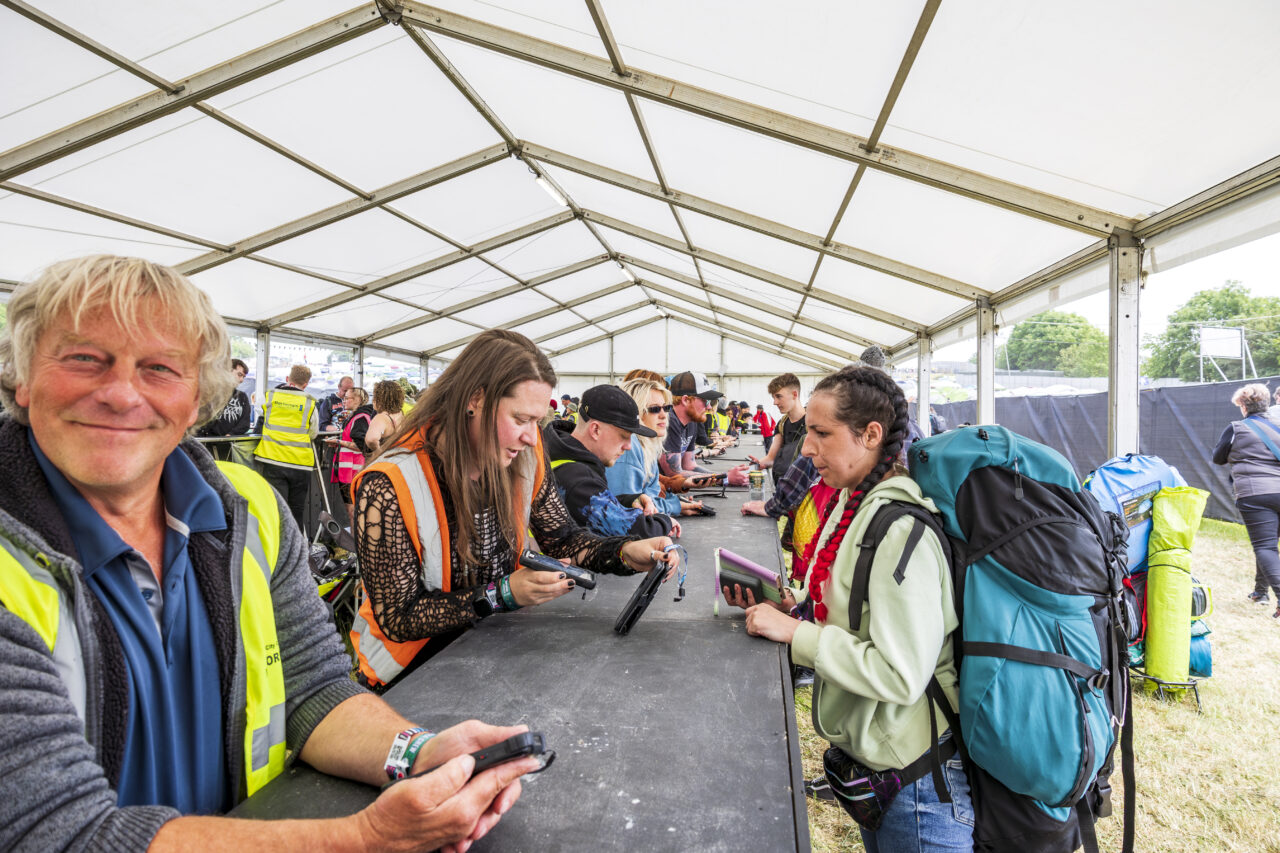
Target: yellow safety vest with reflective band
<point>29,590</point>
<point>286,435</point>
<point>722,423</point>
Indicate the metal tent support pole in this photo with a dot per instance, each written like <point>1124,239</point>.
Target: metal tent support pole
<point>986,362</point>
<point>262,364</point>
<point>924,373</point>
<point>1122,385</point>
<point>357,365</point>
<point>424,370</point>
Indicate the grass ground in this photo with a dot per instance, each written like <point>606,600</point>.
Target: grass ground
<point>1206,781</point>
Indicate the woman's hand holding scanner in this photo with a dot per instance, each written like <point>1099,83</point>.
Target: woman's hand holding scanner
<point>771,623</point>
<point>529,586</point>
<point>647,553</point>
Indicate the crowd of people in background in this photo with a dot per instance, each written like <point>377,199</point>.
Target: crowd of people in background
<point>185,576</point>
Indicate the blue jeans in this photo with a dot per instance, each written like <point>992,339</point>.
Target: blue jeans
<point>917,822</point>
<point>1261,514</point>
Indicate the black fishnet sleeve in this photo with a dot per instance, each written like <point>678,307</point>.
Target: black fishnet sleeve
<point>560,536</point>
<point>390,570</point>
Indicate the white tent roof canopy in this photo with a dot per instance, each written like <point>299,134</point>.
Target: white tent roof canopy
<point>798,185</point>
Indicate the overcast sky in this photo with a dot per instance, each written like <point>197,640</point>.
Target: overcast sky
<point>1256,264</point>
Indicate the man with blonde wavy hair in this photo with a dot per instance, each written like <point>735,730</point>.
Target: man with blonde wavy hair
<point>163,646</point>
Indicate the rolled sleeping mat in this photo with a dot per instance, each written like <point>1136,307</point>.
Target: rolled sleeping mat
<point>1176,514</point>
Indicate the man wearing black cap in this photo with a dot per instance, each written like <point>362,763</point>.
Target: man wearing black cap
<point>691,393</point>
<point>579,453</point>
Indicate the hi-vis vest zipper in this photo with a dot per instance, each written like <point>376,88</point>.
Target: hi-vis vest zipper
<point>422,508</point>
<point>286,437</point>
<point>31,592</point>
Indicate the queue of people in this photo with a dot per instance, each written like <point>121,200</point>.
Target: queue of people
<point>160,616</point>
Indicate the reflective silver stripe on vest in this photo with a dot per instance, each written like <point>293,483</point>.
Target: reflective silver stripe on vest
<point>253,541</point>
<point>265,737</point>
<point>68,657</point>
<point>284,442</point>
<point>373,650</point>
<point>424,506</point>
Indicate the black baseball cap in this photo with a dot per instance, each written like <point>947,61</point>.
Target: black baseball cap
<point>610,405</point>
<point>689,384</point>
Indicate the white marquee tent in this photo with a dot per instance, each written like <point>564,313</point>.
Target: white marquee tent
<point>736,187</point>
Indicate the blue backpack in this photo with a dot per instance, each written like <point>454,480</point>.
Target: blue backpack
<point>1044,690</point>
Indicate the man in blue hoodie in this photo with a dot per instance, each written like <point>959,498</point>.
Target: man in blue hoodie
<point>579,453</point>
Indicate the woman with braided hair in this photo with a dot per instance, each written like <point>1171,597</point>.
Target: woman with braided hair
<point>892,763</point>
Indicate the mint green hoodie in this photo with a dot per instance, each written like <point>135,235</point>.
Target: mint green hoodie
<point>868,697</point>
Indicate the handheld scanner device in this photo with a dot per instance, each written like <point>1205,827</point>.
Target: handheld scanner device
<point>531,559</point>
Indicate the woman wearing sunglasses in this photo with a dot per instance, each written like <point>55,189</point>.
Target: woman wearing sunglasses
<point>636,471</point>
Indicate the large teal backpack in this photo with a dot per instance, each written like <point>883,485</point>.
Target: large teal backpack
<point>1044,689</point>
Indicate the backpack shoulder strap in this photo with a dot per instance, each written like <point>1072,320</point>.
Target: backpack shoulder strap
<point>875,531</point>
<point>1252,424</point>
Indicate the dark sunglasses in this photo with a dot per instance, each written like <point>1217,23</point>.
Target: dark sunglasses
<point>653,410</point>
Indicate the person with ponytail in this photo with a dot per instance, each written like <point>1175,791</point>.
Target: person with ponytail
<point>871,695</point>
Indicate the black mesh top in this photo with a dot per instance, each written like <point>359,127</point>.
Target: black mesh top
<point>392,574</point>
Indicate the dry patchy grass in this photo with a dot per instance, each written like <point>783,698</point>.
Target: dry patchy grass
<point>1205,781</point>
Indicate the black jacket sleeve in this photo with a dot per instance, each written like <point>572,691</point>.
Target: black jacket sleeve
<point>1223,450</point>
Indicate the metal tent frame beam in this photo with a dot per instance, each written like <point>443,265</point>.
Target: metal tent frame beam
<point>739,337</point>
<point>759,224</point>
<point>779,125</point>
<point>767,277</point>
<point>547,312</point>
<point>820,357</point>
<point>598,338</point>
<point>188,91</point>
<point>734,296</point>
<point>423,268</point>
<point>511,290</point>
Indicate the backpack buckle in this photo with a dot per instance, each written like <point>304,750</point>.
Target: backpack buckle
<point>1099,681</point>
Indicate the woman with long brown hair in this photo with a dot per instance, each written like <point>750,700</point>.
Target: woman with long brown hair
<point>443,512</point>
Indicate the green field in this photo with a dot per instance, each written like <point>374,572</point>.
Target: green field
<point>1206,782</point>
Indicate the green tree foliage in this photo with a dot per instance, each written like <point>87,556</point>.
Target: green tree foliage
<point>1043,341</point>
<point>243,349</point>
<point>1175,351</point>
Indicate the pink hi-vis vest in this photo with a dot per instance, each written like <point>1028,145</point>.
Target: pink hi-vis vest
<point>349,461</point>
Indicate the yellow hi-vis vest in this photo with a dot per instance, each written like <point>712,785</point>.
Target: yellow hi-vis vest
<point>722,422</point>
<point>30,591</point>
<point>286,437</point>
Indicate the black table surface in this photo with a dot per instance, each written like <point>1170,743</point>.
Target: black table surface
<point>679,736</point>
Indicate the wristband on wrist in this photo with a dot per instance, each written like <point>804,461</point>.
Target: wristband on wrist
<point>415,746</point>
<point>396,766</point>
<point>504,590</point>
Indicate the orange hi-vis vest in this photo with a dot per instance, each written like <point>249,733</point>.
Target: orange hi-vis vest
<point>422,507</point>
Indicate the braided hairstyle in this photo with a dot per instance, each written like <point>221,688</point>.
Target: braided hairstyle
<point>862,395</point>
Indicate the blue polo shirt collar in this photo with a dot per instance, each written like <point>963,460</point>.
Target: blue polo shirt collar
<point>191,504</point>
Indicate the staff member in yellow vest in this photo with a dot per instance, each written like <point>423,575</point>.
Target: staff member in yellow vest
<point>286,457</point>
<point>162,643</point>
<point>442,515</point>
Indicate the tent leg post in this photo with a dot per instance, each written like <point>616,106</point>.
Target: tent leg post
<point>986,362</point>
<point>1122,384</point>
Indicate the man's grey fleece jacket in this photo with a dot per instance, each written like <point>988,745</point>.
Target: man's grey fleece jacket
<point>57,771</point>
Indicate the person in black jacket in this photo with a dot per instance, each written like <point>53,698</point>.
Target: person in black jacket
<point>232,420</point>
<point>580,452</point>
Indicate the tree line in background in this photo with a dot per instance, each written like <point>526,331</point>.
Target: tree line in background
<point>1067,342</point>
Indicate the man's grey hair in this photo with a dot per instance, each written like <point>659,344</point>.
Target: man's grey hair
<point>1254,397</point>
<point>71,291</point>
